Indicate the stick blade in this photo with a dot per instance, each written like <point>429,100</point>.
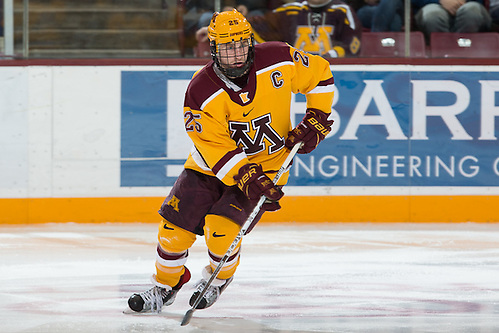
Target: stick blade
<point>187,317</point>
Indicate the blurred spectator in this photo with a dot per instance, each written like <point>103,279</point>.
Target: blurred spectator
<point>248,8</point>
<point>199,13</point>
<point>382,15</point>
<point>451,16</point>
<point>257,7</point>
<point>494,14</point>
<point>193,11</point>
<point>205,18</point>
<point>326,27</point>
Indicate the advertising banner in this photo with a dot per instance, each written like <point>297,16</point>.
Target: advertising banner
<point>403,127</point>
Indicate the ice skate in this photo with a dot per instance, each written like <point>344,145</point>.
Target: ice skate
<point>214,290</point>
<point>154,299</point>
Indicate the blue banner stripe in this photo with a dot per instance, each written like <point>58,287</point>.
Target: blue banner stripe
<point>143,114</point>
<point>391,129</point>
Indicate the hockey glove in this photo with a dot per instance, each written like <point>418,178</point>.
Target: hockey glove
<point>254,183</point>
<point>313,129</point>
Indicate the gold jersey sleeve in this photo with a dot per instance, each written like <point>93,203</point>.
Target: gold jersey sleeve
<point>231,126</point>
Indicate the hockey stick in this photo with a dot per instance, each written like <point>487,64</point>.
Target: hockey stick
<point>246,225</point>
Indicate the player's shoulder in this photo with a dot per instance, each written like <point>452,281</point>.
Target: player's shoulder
<point>201,76</point>
<point>271,53</point>
<point>201,87</point>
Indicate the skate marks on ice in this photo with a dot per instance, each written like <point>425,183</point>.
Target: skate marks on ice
<point>292,278</point>
<point>206,320</point>
<point>198,323</point>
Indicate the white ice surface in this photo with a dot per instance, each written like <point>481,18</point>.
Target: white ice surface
<point>292,278</point>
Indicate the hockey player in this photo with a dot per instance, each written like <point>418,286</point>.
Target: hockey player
<point>237,113</point>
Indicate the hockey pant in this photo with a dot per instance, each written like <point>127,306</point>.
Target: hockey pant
<point>174,243</point>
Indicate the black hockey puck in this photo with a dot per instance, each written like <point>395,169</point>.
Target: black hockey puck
<point>136,303</point>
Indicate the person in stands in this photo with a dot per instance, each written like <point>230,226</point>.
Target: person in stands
<point>381,15</point>
<point>494,14</point>
<point>451,16</point>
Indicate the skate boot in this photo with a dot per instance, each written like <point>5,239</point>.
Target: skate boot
<point>155,298</point>
<point>214,290</point>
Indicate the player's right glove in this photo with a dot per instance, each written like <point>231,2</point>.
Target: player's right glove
<point>313,129</point>
<point>254,183</point>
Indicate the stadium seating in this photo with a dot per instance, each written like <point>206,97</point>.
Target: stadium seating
<point>464,45</point>
<point>101,28</point>
<point>392,44</point>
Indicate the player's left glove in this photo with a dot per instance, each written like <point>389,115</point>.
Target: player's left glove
<point>254,183</point>
<point>313,129</point>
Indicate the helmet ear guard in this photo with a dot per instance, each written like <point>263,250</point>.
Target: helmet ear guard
<point>230,27</point>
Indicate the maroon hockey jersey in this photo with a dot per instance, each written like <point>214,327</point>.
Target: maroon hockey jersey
<point>333,30</point>
<point>231,126</point>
